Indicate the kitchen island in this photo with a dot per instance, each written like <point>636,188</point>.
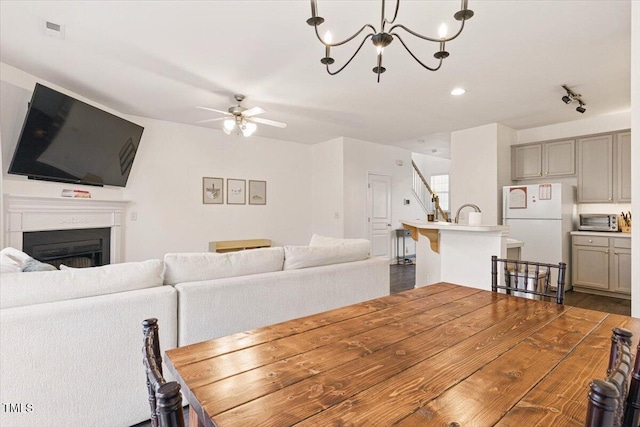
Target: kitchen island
<point>456,253</point>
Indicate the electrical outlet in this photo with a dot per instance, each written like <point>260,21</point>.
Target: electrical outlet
<point>133,216</point>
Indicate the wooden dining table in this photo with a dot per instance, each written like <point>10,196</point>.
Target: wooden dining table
<point>440,355</point>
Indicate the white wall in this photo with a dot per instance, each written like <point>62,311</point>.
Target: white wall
<point>635,156</point>
<point>362,158</point>
<point>584,126</point>
<point>327,187</point>
<point>506,136</point>
<point>165,185</point>
<point>166,190</point>
<point>476,164</point>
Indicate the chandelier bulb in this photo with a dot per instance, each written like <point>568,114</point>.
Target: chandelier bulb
<point>379,50</point>
<point>328,38</point>
<point>442,31</point>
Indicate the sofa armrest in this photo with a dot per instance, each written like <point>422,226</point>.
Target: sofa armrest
<point>55,356</point>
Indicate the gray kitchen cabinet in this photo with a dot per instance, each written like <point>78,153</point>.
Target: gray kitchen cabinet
<point>543,159</point>
<point>623,178</point>
<point>559,158</point>
<point>590,262</point>
<point>621,266</point>
<point>595,169</point>
<point>601,264</point>
<point>526,161</point>
<point>604,168</point>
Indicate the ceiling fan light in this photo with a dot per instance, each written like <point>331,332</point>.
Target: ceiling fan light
<point>249,128</point>
<point>228,126</point>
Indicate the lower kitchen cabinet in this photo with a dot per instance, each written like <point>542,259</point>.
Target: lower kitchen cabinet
<point>601,264</point>
<point>621,266</point>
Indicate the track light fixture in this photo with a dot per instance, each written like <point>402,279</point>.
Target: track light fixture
<point>382,37</point>
<point>572,96</point>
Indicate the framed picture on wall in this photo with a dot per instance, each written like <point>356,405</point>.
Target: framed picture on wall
<point>212,191</point>
<point>236,191</point>
<point>257,192</point>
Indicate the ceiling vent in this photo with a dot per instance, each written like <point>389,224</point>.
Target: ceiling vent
<point>53,30</point>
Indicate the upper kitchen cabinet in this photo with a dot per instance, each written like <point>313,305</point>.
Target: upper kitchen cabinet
<point>624,167</point>
<point>543,160</point>
<point>604,168</point>
<point>559,158</point>
<point>595,169</point>
<point>526,161</point>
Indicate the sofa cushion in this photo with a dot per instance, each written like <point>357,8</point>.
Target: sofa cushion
<point>318,240</point>
<point>193,267</point>
<point>33,264</point>
<point>312,256</point>
<point>49,286</point>
<point>12,260</point>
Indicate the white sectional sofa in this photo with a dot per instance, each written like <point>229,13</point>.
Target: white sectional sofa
<point>70,340</point>
<point>70,343</point>
<point>213,306</point>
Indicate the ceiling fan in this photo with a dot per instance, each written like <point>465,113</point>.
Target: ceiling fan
<point>242,118</point>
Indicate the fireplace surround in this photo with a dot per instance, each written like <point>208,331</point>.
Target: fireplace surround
<point>28,214</point>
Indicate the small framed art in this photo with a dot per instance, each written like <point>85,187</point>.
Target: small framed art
<point>236,191</point>
<point>257,192</point>
<point>212,191</point>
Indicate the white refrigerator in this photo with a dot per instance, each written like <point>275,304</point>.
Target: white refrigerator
<point>542,215</point>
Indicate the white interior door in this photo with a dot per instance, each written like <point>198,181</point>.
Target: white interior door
<point>379,214</point>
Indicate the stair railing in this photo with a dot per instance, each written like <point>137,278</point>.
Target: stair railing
<point>424,194</point>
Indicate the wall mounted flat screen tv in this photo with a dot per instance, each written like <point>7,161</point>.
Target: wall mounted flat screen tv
<point>66,140</point>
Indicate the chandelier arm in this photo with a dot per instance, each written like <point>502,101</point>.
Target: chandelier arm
<point>414,57</point>
<point>333,73</point>
<point>395,15</point>
<point>429,38</point>
<point>346,40</point>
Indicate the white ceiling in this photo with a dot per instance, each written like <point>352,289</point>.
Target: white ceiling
<point>161,59</point>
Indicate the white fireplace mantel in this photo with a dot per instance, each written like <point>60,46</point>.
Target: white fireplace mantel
<point>29,213</point>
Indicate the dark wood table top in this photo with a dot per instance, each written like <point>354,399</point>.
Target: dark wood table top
<point>437,355</point>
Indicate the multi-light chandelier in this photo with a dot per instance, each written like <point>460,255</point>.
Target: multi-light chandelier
<point>383,38</point>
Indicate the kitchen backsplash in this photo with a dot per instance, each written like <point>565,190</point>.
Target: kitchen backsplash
<point>604,208</point>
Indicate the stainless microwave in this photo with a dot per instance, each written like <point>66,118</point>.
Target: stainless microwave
<point>598,222</point>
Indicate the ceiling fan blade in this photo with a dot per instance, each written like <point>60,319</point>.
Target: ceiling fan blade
<point>253,112</point>
<point>211,120</point>
<point>269,122</point>
<point>215,111</point>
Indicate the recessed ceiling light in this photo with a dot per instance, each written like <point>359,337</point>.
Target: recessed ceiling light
<point>458,91</point>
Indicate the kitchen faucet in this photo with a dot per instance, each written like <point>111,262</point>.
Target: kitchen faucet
<point>463,206</point>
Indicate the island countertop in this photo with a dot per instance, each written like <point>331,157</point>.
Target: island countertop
<point>456,253</point>
<point>449,226</point>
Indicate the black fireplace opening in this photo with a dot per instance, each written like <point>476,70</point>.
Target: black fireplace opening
<point>79,248</point>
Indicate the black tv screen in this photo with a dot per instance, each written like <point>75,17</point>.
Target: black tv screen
<point>66,140</point>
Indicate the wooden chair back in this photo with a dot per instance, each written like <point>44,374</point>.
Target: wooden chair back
<point>528,277</point>
<point>165,398</point>
<point>613,402</point>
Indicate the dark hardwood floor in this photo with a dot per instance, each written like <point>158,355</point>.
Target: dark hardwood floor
<point>403,278</point>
